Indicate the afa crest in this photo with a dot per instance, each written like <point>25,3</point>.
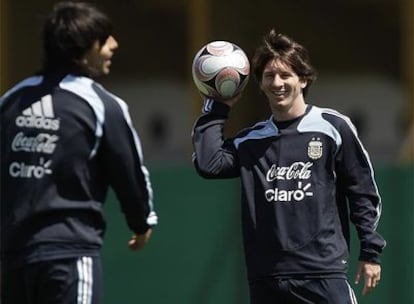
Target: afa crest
<point>315,148</point>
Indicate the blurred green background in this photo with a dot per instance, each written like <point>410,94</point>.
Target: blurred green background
<point>195,255</point>
<point>363,51</point>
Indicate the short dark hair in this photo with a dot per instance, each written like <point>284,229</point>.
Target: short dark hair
<point>70,30</point>
<point>276,46</point>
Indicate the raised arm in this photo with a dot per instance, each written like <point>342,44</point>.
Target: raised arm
<point>214,156</point>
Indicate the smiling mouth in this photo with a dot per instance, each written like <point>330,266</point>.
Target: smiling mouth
<point>279,93</point>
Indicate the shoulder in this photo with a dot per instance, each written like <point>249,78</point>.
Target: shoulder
<point>260,130</point>
<point>27,82</point>
<point>340,121</point>
<point>324,117</point>
<point>334,116</point>
<point>83,87</point>
<point>92,92</point>
<point>327,121</point>
<point>259,126</point>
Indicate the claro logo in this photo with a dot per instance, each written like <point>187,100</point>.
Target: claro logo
<point>299,171</point>
<point>280,195</point>
<point>23,170</point>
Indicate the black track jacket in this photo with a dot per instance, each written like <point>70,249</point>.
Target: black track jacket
<point>300,184</point>
<point>64,141</point>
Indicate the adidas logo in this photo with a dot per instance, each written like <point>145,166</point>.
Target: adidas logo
<point>39,115</point>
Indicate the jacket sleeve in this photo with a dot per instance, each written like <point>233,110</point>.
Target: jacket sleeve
<point>357,178</point>
<point>123,161</point>
<point>214,157</point>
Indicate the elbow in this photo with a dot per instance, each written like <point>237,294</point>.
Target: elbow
<point>203,170</point>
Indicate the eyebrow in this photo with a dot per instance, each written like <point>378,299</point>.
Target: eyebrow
<point>278,70</point>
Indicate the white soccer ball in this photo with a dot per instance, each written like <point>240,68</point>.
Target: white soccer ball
<point>220,70</point>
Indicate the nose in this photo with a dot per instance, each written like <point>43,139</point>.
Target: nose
<point>277,80</point>
<point>113,44</point>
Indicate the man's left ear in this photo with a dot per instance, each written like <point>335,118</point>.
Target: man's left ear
<point>303,84</point>
<point>82,62</point>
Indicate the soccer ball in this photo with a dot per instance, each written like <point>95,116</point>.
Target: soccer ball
<point>220,70</point>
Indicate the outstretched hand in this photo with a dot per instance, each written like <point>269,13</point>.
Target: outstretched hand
<point>232,101</point>
<point>138,241</point>
<point>372,275</point>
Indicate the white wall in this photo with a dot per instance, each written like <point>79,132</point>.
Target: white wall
<point>159,100</point>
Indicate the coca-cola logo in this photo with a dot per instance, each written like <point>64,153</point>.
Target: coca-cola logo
<point>41,143</point>
<point>297,170</point>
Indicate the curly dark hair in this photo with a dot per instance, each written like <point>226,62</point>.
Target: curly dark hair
<point>276,46</point>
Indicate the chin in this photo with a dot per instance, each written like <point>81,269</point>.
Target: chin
<point>281,107</point>
<point>106,71</point>
<point>279,103</point>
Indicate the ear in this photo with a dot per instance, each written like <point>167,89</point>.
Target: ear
<point>81,62</point>
<point>303,84</point>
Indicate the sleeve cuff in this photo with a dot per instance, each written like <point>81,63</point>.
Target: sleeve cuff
<point>212,106</point>
<point>152,220</point>
<point>370,257</point>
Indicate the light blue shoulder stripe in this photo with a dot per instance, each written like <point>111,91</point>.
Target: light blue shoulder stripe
<point>260,130</point>
<point>354,131</point>
<point>28,82</point>
<point>82,86</point>
<point>152,218</point>
<point>314,122</point>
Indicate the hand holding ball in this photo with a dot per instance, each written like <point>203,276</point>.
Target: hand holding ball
<point>220,70</point>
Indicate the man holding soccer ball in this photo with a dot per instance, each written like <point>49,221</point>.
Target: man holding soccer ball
<point>64,141</point>
<point>304,173</point>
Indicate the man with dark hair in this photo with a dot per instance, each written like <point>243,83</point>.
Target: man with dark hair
<point>64,141</point>
<point>304,173</point>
